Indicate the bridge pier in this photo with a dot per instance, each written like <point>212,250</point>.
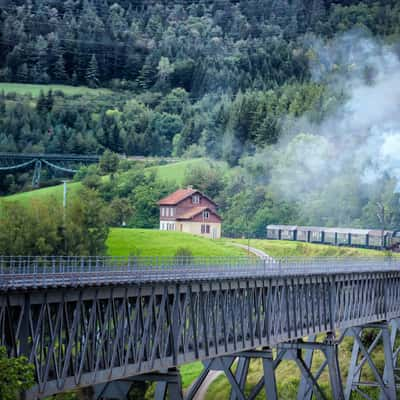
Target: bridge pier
<point>238,379</point>
<point>309,379</point>
<point>37,173</point>
<point>168,382</point>
<point>362,356</point>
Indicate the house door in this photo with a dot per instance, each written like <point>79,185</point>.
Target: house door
<point>214,233</point>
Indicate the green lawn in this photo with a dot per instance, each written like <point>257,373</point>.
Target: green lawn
<point>149,242</point>
<point>176,171</point>
<point>286,248</point>
<point>44,194</point>
<point>34,89</point>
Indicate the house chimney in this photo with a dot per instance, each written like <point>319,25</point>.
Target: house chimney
<point>190,187</point>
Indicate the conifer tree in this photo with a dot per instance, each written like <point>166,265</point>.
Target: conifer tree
<point>23,73</point>
<point>41,104</point>
<point>59,69</point>
<point>92,74</point>
<point>74,78</point>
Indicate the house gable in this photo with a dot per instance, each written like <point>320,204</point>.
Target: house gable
<point>200,214</point>
<point>186,197</point>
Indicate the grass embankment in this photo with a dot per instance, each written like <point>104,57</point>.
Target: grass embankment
<point>175,172</point>
<point>149,242</point>
<point>44,194</point>
<point>286,248</point>
<point>35,89</point>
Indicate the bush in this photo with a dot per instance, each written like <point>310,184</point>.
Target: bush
<point>183,255</point>
<point>16,375</point>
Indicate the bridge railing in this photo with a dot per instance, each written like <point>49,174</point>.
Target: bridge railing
<point>61,264</point>
<point>52,271</point>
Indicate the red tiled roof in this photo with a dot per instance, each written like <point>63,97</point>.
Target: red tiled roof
<point>195,211</point>
<point>177,197</point>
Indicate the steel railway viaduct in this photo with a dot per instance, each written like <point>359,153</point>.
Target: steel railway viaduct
<point>108,322</point>
<point>64,163</point>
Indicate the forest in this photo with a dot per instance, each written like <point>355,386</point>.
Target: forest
<point>284,92</point>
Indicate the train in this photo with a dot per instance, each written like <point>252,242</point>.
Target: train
<point>366,238</point>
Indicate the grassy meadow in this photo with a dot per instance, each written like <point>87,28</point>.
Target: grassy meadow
<point>149,242</point>
<point>35,89</point>
<point>43,194</point>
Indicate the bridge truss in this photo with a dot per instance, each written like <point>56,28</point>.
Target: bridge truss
<point>109,322</point>
<point>65,163</point>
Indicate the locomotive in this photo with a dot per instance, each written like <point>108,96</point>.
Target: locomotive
<point>366,238</point>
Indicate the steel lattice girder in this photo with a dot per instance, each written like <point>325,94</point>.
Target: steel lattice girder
<point>92,335</point>
<point>67,163</point>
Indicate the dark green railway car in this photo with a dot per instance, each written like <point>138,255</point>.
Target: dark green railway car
<point>368,238</point>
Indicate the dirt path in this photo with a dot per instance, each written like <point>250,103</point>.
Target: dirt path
<point>253,250</point>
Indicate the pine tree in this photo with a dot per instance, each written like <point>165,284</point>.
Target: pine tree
<point>23,73</point>
<point>59,69</point>
<point>92,77</point>
<point>41,104</point>
<point>74,78</point>
<point>49,100</point>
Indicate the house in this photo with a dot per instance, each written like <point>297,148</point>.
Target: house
<point>188,210</point>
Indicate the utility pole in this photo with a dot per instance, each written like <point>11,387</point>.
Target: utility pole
<point>381,217</point>
<point>65,198</point>
<point>65,214</point>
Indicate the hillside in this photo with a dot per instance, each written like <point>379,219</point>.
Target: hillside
<point>256,85</point>
<point>173,172</point>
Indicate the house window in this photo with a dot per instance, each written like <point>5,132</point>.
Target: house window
<point>167,212</point>
<point>162,211</point>
<point>205,228</point>
<point>206,214</point>
<point>196,199</point>
<point>172,212</point>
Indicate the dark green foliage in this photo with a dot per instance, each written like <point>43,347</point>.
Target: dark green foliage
<point>45,228</point>
<point>109,163</point>
<point>121,210</point>
<point>16,375</point>
<point>132,198</point>
<point>183,252</point>
<point>213,47</point>
<point>183,255</point>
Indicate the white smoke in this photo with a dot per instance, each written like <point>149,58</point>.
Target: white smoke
<point>360,141</point>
